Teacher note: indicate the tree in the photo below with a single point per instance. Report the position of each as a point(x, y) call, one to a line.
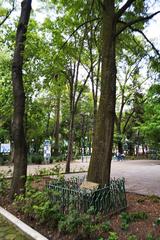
point(151, 126)
point(129, 82)
point(5, 95)
point(114, 23)
point(18, 133)
point(99, 168)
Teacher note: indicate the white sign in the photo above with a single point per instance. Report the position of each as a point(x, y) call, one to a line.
point(47, 150)
point(5, 148)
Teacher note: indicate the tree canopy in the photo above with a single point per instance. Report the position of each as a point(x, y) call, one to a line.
point(90, 76)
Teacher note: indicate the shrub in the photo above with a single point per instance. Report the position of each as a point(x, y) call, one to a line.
point(4, 158)
point(59, 158)
point(3, 183)
point(157, 221)
point(106, 226)
point(85, 224)
point(150, 237)
point(70, 222)
point(127, 218)
point(35, 158)
point(113, 236)
point(37, 204)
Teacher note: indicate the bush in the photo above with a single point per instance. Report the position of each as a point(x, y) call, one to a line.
point(106, 226)
point(85, 224)
point(113, 236)
point(3, 184)
point(4, 158)
point(59, 158)
point(70, 223)
point(35, 158)
point(127, 218)
point(37, 205)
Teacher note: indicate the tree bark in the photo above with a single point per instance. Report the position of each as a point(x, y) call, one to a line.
point(57, 126)
point(120, 145)
point(70, 142)
point(18, 132)
point(99, 168)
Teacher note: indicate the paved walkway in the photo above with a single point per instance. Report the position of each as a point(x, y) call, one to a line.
point(142, 176)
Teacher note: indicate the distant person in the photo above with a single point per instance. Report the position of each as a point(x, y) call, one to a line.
point(120, 156)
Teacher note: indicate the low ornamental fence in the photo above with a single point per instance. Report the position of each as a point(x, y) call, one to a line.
point(109, 199)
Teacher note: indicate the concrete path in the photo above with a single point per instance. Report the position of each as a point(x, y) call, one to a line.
point(142, 176)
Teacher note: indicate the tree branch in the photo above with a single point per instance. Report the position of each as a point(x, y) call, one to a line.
point(142, 33)
point(123, 9)
point(140, 19)
point(127, 121)
point(8, 13)
point(81, 90)
point(81, 25)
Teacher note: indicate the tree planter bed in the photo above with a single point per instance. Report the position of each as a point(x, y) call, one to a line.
point(109, 199)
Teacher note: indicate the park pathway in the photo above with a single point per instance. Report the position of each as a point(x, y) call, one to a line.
point(142, 176)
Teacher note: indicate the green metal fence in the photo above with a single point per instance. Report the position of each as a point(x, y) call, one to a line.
point(109, 199)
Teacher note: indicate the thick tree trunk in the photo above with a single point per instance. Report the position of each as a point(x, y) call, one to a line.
point(99, 168)
point(70, 142)
point(57, 126)
point(18, 132)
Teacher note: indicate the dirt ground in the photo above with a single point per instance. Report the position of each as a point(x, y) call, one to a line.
point(136, 204)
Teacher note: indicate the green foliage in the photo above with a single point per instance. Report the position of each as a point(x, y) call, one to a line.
point(35, 158)
point(59, 158)
point(106, 226)
point(4, 158)
point(127, 218)
point(55, 171)
point(3, 183)
point(150, 237)
point(113, 236)
point(151, 127)
point(154, 198)
point(132, 237)
point(3, 11)
point(157, 222)
point(70, 223)
point(86, 224)
point(37, 204)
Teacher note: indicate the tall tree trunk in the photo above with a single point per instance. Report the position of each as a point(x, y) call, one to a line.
point(70, 142)
point(47, 124)
point(120, 145)
point(119, 140)
point(57, 126)
point(99, 168)
point(18, 132)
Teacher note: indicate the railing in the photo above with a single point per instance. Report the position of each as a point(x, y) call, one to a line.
point(109, 199)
